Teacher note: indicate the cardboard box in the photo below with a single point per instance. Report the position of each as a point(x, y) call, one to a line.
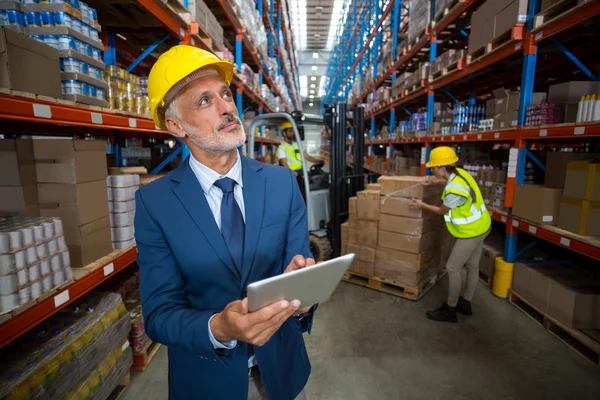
point(539, 286)
point(27, 65)
point(571, 92)
point(367, 254)
point(556, 166)
point(89, 199)
point(363, 268)
point(488, 258)
point(17, 163)
point(352, 221)
point(498, 202)
point(548, 3)
point(401, 206)
point(521, 279)
point(537, 203)
point(408, 186)
point(88, 243)
point(70, 161)
point(515, 12)
point(352, 236)
point(582, 180)
point(368, 205)
point(575, 304)
point(353, 248)
point(344, 233)
point(499, 189)
point(366, 234)
point(374, 186)
point(509, 119)
point(498, 175)
point(409, 226)
point(352, 205)
point(15, 200)
point(407, 261)
point(579, 216)
point(409, 243)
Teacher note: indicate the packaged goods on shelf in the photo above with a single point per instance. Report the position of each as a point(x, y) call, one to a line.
point(125, 91)
point(72, 185)
point(33, 259)
point(440, 5)
point(42, 73)
point(544, 114)
point(121, 189)
point(588, 109)
point(75, 351)
point(419, 19)
point(537, 203)
point(466, 117)
point(444, 60)
point(18, 182)
point(493, 19)
point(566, 294)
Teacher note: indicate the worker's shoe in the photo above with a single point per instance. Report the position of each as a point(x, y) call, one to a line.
point(464, 307)
point(443, 314)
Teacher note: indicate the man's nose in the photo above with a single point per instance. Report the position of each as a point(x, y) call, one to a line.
point(227, 107)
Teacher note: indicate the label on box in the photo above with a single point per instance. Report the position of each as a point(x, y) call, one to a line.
point(565, 242)
point(499, 101)
point(547, 218)
point(532, 229)
point(109, 269)
point(580, 130)
point(61, 298)
point(132, 123)
point(42, 111)
point(96, 118)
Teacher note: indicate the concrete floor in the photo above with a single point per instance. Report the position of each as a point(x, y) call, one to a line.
point(369, 345)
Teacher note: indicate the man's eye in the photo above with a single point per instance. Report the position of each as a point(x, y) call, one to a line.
point(227, 95)
point(203, 102)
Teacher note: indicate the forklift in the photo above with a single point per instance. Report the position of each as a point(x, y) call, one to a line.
point(328, 183)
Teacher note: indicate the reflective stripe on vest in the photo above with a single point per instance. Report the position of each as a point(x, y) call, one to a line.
point(294, 159)
point(475, 215)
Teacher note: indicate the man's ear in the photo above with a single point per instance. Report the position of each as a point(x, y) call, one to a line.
point(175, 127)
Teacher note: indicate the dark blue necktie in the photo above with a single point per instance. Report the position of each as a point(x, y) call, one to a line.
point(232, 222)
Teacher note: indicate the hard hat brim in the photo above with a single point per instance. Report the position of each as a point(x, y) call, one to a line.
point(430, 164)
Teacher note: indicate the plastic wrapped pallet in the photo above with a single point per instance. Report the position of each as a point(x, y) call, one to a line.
point(419, 13)
point(51, 361)
point(33, 259)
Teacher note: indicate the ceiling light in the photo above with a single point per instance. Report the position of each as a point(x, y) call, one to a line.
point(314, 67)
point(312, 85)
point(317, 35)
point(313, 78)
point(311, 97)
point(121, 36)
point(311, 92)
point(315, 55)
point(310, 104)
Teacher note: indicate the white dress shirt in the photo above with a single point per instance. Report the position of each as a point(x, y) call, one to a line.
point(214, 195)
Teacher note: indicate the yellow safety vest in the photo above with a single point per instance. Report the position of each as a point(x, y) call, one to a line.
point(294, 159)
point(471, 219)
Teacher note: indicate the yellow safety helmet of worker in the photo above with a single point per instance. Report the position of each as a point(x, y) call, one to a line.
point(286, 125)
point(442, 156)
point(169, 73)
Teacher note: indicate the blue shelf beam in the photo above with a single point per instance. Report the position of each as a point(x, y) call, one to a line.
point(147, 52)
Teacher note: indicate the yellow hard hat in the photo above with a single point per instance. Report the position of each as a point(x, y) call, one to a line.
point(170, 70)
point(286, 125)
point(442, 156)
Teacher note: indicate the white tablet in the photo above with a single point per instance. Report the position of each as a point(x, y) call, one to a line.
point(310, 285)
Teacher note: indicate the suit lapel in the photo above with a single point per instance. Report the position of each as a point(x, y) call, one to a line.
point(193, 199)
point(254, 204)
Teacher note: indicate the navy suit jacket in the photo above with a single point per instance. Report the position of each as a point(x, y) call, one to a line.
point(187, 275)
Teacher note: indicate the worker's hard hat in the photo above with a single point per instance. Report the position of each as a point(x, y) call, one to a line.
point(286, 125)
point(176, 68)
point(442, 156)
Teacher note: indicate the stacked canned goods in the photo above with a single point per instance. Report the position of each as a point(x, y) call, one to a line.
point(14, 19)
point(125, 91)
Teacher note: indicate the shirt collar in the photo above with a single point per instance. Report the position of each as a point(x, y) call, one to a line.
point(452, 176)
point(207, 177)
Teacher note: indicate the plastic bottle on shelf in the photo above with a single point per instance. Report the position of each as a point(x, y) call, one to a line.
point(591, 109)
point(584, 110)
point(580, 109)
point(596, 115)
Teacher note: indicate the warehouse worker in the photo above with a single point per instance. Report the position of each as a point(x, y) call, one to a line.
point(468, 221)
point(207, 230)
point(288, 152)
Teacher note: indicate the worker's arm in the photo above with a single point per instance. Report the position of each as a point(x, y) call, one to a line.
point(283, 162)
point(419, 205)
point(168, 318)
point(298, 243)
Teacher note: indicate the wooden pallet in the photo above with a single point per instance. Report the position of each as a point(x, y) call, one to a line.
point(557, 10)
point(476, 54)
point(142, 359)
point(389, 287)
point(584, 341)
point(455, 66)
point(79, 273)
point(487, 280)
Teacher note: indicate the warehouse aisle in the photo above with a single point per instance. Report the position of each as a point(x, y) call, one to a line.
point(368, 345)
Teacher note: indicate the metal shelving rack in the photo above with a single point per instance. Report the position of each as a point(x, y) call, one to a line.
point(30, 112)
point(523, 45)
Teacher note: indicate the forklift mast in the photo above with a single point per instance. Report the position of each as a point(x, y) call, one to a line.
point(345, 181)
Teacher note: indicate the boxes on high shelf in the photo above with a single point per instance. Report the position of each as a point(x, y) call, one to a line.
point(579, 216)
point(419, 18)
point(493, 18)
point(71, 176)
point(582, 180)
point(537, 203)
point(18, 190)
point(556, 166)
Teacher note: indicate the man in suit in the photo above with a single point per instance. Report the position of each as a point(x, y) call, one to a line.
point(205, 231)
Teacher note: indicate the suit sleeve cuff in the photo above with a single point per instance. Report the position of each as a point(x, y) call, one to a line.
point(220, 345)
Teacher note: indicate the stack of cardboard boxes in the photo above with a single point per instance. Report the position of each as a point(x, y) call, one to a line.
point(393, 242)
point(579, 210)
point(71, 178)
point(564, 293)
point(494, 18)
point(18, 181)
point(492, 184)
point(504, 107)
